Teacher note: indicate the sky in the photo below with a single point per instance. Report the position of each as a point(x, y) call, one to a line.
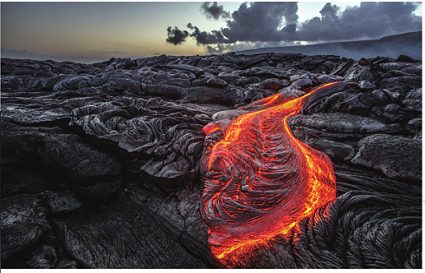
point(96, 31)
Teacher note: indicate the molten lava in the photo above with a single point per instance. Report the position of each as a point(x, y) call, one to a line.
point(260, 180)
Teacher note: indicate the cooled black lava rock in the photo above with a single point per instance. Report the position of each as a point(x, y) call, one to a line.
point(163, 138)
point(396, 156)
point(23, 223)
point(100, 162)
point(335, 150)
point(342, 125)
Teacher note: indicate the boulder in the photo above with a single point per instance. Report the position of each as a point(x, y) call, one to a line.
point(23, 223)
point(396, 156)
point(273, 84)
point(343, 125)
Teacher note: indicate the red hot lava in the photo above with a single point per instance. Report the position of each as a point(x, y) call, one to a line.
point(260, 180)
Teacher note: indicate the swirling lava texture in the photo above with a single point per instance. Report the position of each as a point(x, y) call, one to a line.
point(259, 180)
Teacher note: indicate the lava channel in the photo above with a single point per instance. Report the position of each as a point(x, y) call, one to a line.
point(259, 180)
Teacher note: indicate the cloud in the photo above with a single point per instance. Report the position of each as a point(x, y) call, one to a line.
point(202, 37)
point(214, 11)
point(259, 22)
point(262, 22)
point(219, 49)
point(176, 36)
point(369, 20)
point(329, 11)
point(278, 22)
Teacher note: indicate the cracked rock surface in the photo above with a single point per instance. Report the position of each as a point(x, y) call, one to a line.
point(100, 162)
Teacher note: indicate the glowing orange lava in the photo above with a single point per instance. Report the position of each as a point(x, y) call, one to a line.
point(260, 180)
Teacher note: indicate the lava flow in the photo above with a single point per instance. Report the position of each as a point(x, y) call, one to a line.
point(260, 180)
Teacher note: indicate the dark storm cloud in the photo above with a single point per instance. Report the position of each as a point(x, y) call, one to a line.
point(278, 22)
point(369, 20)
point(202, 37)
point(176, 36)
point(329, 11)
point(214, 11)
point(261, 22)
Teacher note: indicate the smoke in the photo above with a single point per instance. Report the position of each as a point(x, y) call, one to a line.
point(278, 22)
point(176, 36)
point(214, 11)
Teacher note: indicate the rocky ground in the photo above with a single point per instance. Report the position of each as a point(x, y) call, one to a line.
point(100, 163)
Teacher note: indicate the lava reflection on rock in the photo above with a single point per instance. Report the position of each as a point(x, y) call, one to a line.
point(260, 180)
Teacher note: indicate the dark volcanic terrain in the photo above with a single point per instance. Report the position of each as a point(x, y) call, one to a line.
point(389, 46)
point(100, 163)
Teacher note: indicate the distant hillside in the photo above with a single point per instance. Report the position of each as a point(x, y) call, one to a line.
point(409, 44)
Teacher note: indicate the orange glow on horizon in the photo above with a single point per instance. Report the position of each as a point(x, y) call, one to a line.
point(274, 181)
